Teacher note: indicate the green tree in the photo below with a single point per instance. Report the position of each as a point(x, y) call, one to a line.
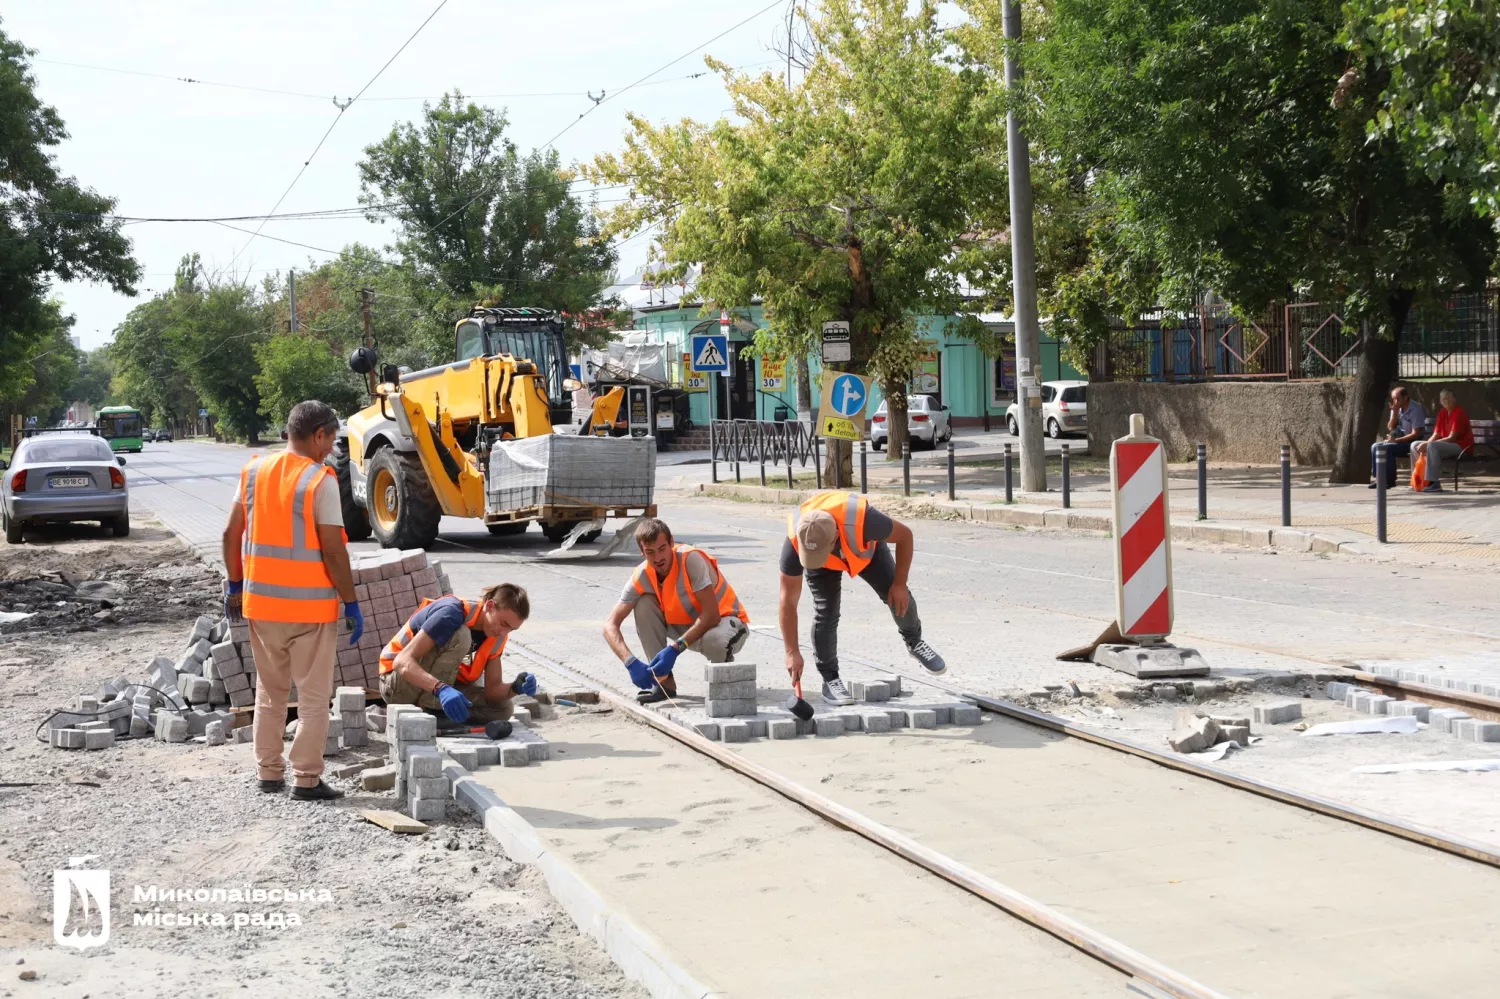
point(853, 195)
point(147, 375)
point(50, 371)
point(298, 367)
point(96, 369)
point(51, 227)
point(479, 221)
point(1436, 64)
point(1208, 138)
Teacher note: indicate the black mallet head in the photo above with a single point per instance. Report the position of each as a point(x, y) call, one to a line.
point(797, 706)
point(498, 729)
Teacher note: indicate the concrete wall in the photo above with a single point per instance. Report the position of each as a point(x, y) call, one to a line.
point(1249, 421)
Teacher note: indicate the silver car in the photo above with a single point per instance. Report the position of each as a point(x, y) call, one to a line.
point(62, 477)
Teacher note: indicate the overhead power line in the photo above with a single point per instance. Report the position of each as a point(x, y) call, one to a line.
point(337, 118)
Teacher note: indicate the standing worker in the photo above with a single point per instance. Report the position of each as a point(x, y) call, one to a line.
point(831, 534)
point(681, 601)
point(437, 658)
point(288, 566)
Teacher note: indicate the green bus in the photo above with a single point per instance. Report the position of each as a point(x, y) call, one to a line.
point(121, 426)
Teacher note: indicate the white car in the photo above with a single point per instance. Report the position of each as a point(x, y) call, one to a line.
point(1065, 410)
point(927, 422)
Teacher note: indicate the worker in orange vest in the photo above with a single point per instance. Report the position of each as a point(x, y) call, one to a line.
point(439, 656)
point(832, 534)
point(680, 601)
point(288, 569)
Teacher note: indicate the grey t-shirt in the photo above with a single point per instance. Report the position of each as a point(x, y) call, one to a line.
point(1413, 417)
point(877, 528)
point(699, 574)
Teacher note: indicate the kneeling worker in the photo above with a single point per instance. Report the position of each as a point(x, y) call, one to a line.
point(835, 533)
point(449, 643)
point(681, 601)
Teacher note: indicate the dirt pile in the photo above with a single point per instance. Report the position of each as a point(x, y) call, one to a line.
point(82, 587)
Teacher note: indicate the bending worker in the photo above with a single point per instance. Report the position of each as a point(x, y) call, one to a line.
point(437, 658)
point(835, 533)
point(288, 567)
point(681, 601)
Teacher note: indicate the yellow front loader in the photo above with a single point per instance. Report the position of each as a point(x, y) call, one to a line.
point(421, 450)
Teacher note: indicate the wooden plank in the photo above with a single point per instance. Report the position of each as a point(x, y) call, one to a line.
point(394, 821)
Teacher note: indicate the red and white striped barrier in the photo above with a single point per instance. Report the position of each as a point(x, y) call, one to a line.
point(1143, 546)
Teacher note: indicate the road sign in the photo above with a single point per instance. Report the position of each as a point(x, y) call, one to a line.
point(692, 381)
point(638, 409)
point(772, 375)
point(1143, 545)
point(202, 413)
point(710, 352)
point(836, 342)
point(842, 411)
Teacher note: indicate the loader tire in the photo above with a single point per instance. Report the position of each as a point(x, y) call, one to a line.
point(403, 510)
point(356, 521)
point(504, 530)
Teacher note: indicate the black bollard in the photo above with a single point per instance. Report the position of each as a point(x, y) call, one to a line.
point(952, 486)
point(1380, 466)
point(906, 468)
point(1202, 481)
point(864, 449)
point(1009, 497)
point(1067, 469)
point(713, 452)
point(818, 461)
point(760, 446)
point(1286, 485)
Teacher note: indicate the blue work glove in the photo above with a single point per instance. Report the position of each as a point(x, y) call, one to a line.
point(234, 596)
point(665, 660)
point(640, 673)
point(455, 705)
point(524, 683)
point(356, 619)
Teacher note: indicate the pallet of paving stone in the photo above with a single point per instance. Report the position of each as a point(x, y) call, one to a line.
point(389, 584)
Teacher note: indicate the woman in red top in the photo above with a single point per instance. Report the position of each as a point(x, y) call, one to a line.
point(1451, 437)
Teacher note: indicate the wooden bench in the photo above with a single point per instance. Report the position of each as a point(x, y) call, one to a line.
point(1486, 435)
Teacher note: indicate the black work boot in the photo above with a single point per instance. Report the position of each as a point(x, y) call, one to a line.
point(272, 786)
point(318, 792)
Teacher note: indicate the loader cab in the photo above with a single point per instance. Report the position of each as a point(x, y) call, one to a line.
point(535, 335)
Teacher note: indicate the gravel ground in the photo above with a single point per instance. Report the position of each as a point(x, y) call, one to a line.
point(441, 914)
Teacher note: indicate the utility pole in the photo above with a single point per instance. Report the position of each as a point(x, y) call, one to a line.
point(291, 284)
point(1023, 268)
point(365, 295)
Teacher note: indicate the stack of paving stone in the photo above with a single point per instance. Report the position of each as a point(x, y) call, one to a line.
point(388, 585)
point(94, 722)
point(731, 714)
point(348, 724)
point(1443, 679)
point(1453, 721)
point(521, 747)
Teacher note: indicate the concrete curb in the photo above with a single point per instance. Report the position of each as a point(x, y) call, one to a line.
point(639, 955)
point(1026, 515)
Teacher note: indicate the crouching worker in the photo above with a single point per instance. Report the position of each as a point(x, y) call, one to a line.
point(680, 601)
point(438, 656)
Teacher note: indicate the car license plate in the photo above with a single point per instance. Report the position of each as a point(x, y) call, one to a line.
point(70, 482)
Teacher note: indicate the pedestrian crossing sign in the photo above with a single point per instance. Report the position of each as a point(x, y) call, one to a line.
point(710, 352)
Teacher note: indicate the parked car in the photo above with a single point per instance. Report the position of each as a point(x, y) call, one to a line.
point(1065, 410)
point(927, 422)
point(163, 436)
point(64, 477)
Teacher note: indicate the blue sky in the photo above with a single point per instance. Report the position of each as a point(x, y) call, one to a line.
point(169, 148)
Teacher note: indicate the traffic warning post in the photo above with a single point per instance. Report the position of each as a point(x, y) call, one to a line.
point(1143, 563)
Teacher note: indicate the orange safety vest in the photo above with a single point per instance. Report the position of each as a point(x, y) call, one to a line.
point(467, 672)
point(285, 578)
point(848, 511)
point(677, 599)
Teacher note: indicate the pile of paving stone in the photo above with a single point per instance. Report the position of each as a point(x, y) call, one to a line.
point(1453, 721)
point(389, 586)
point(730, 712)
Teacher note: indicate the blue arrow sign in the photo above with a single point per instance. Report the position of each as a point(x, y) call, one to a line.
point(710, 352)
point(848, 395)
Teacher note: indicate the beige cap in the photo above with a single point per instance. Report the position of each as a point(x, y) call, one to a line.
point(817, 533)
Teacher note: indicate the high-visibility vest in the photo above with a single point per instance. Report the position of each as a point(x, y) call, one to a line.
point(675, 594)
point(848, 512)
point(285, 578)
point(467, 672)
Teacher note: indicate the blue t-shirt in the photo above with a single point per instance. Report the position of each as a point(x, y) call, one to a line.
point(441, 619)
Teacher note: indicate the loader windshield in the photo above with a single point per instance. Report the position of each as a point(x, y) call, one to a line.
point(543, 347)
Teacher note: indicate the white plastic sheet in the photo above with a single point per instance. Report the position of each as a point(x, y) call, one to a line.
point(1399, 725)
point(1433, 765)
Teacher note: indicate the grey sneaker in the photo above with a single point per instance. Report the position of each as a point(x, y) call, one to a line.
point(927, 656)
point(835, 693)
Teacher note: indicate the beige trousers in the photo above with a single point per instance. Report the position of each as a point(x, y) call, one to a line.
point(716, 645)
point(443, 662)
point(286, 654)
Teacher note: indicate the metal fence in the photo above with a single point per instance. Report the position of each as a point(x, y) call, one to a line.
point(1457, 338)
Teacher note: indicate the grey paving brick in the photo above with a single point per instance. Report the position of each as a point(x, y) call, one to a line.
point(732, 690)
point(897, 717)
point(354, 738)
point(967, 714)
point(870, 690)
point(424, 761)
point(728, 672)
point(876, 722)
point(416, 727)
point(730, 708)
point(1443, 719)
point(379, 778)
point(515, 755)
point(944, 713)
point(429, 787)
point(853, 720)
point(488, 753)
point(174, 727)
point(350, 699)
point(921, 718)
point(1336, 690)
point(213, 733)
point(782, 728)
point(1379, 704)
point(828, 725)
point(734, 731)
point(69, 738)
point(707, 729)
point(465, 756)
point(427, 809)
point(1276, 714)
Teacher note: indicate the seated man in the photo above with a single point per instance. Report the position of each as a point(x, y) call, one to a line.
point(438, 656)
point(681, 601)
point(1408, 422)
point(1452, 435)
